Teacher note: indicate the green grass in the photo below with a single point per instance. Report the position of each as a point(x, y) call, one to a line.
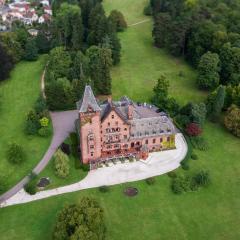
point(142, 64)
point(18, 95)
point(156, 213)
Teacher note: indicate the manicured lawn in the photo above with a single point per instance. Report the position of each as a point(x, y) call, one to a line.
point(156, 213)
point(19, 94)
point(142, 63)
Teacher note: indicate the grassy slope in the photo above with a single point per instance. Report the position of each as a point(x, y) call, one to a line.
point(19, 94)
point(156, 213)
point(142, 64)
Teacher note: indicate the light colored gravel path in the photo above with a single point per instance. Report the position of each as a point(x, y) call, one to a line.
point(157, 163)
point(143, 21)
point(63, 124)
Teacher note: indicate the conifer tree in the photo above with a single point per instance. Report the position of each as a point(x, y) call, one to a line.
point(217, 104)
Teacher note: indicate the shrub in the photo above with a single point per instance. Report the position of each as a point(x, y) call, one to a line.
point(84, 220)
point(193, 130)
point(66, 148)
point(44, 122)
point(31, 186)
point(181, 184)
point(202, 178)
point(40, 105)
point(172, 174)
point(104, 189)
point(199, 143)
point(232, 120)
point(85, 167)
point(150, 181)
point(44, 132)
point(61, 164)
point(74, 144)
point(194, 156)
point(31, 128)
point(185, 165)
point(15, 153)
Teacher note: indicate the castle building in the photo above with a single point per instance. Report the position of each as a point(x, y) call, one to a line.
point(121, 128)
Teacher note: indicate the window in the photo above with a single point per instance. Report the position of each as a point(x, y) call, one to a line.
point(132, 144)
point(125, 129)
point(168, 139)
point(146, 141)
point(91, 146)
point(112, 116)
point(154, 140)
point(108, 123)
point(91, 154)
point(160, 140)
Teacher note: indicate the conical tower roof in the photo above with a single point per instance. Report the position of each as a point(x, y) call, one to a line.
point(88, 101)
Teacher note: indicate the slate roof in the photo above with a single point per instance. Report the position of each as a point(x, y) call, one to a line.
point(147, 121)
point(88, 100)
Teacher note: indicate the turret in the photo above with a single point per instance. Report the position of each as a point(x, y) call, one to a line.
point(90, 124)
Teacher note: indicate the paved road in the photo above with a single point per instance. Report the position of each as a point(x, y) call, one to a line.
point(157, 163)
point(63, 124)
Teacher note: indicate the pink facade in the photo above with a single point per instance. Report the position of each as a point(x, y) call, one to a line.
point(121, 128)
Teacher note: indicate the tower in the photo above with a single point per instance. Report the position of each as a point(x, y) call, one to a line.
point(90, 124)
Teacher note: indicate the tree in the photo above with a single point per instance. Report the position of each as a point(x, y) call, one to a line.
point(232, 96)
point(84, 220)
point(59, 94)
point(59, 64)
point(118, 20)
point(230, 68)
point(100, 63)
point(112, 42)
point(208, 69)
point(61, 164)
point(12, 46)
point(6, 63)
point(160, 29)
point(68, 27)
point(198, 113)
point(217, 104)
point(42, 42)
point(161, 92)
point(232, 120)
point(15, 153)
point(31, 50)
point(193, 130)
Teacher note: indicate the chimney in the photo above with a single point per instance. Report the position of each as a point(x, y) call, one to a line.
point(130, 111)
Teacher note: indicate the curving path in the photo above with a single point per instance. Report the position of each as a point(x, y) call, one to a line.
point(157, 163)
point(63, 124)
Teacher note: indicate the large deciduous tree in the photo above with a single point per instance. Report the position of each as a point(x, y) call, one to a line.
point(208, 71)
point(118, 20)
point(84, 220)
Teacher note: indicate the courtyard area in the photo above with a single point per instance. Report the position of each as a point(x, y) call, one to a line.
point(156, 164)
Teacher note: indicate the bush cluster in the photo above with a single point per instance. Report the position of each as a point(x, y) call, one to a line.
point(15, 153)
point(186, 183)
point(61, 164)
point(104, 189)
